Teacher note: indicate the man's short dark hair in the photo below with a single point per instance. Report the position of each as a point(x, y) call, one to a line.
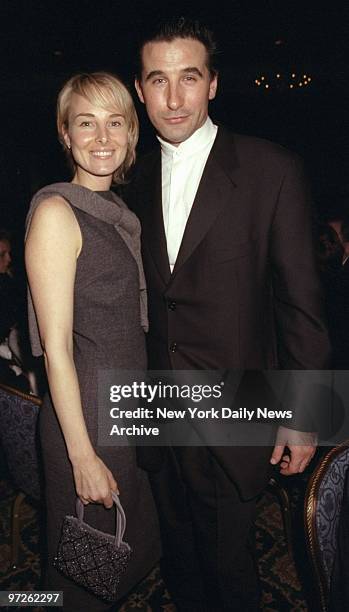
point(180, 27)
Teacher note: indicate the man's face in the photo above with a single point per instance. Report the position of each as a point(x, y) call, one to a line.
point(176, 87)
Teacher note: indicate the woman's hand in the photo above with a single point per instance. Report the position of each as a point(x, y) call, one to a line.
point(94, 481)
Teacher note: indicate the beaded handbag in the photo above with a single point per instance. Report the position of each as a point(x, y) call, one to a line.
point(91, 558)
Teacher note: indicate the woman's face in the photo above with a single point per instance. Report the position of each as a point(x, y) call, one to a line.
point(98, 141)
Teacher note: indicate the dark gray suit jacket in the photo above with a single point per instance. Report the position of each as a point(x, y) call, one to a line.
point(244, 293)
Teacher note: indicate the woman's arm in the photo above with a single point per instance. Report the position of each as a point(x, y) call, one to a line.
point(52, 247)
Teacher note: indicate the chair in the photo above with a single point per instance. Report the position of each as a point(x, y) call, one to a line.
point(18, 438)
point(323, 502)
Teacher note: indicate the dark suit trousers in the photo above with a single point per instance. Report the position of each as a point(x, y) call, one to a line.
point(208, 562)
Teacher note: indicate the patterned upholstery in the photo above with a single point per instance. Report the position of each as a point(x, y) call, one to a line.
point(328, 509)
point(323, 505)
point(18, 438)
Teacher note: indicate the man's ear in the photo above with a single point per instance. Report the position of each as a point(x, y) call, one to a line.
point(138, 87)
point(213, 87)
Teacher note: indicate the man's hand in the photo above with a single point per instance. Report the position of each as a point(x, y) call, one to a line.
point(302, 446)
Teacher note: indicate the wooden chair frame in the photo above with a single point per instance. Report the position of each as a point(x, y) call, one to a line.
point(310, 506)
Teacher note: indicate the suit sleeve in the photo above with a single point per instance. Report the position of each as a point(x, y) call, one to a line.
point(302, 339)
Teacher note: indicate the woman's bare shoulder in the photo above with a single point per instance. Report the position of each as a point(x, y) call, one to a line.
point(54, 214)
point(54, 207)
point(54, 221)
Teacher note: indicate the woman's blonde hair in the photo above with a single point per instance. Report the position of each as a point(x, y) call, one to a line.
point(105, 91)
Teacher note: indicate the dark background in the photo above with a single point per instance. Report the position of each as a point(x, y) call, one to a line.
point(43, 42)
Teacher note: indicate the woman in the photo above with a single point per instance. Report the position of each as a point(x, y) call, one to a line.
point(87, 290)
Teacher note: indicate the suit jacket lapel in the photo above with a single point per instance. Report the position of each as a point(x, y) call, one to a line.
point(153, 223)
point(215, 190)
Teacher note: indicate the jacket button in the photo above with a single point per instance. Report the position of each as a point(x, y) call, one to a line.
point(172, 305)
point(173, 347)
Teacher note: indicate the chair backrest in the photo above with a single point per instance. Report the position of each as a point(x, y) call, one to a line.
point(322, 510)
point(18, 437)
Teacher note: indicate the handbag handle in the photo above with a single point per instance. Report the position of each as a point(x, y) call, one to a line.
point(120, 526)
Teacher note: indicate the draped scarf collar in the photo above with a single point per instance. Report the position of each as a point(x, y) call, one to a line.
point(115, 213)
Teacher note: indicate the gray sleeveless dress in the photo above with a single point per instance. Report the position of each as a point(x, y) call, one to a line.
point(107, 333)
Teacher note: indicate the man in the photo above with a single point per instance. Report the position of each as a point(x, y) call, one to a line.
point(231, 284)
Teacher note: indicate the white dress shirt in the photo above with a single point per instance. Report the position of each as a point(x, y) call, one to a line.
point(181, 170)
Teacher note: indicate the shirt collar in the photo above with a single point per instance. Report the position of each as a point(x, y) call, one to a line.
point(197, 141)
